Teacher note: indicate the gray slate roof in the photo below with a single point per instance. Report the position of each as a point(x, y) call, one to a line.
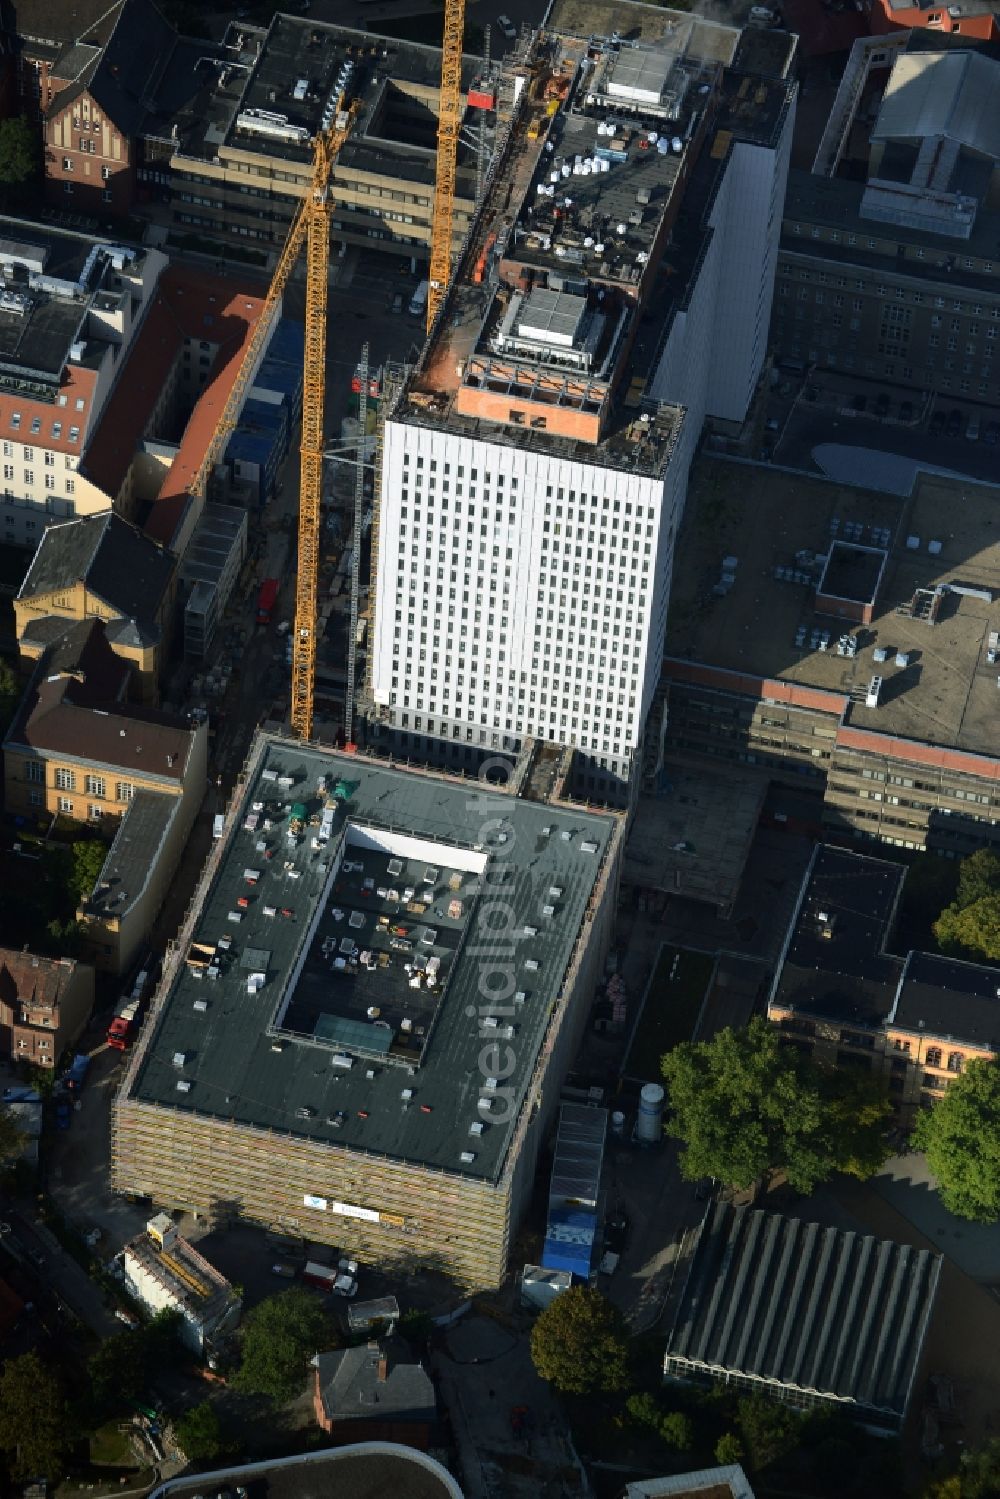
point(126, 570)
point(351, 1389)
point(123, 77)
point(806, 1308)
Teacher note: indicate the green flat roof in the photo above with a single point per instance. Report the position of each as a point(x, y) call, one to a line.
point(294, 1052)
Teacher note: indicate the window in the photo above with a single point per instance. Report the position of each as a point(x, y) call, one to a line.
point(66, 804)
point(95, 812)
point(956, 1061)
point(124, 791)
point(68, 167)
point(106, 174)
point(95, 786)
point(933, 1058)
point(74, 434)
point(35, 771)
point(65, 780)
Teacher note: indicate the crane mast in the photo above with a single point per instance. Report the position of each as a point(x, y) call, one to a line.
point(449, 125)
point(317, 217)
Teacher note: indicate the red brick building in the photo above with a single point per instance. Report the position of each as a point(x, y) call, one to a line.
point(974, 20)
point(93, 124)
point(374, 1393)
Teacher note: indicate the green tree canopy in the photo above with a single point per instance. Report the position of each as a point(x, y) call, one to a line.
point(745, 1105)
point(20, 155)
point(728, 1449)
point(961, 1139)
point(970, 925)
point(199, 1433)
point(34, 1425)
point(677, 1430)
point(578, 1343)
point(11, 1137)
point(88, 861)
point(10, 695)
point(116, 1372)
point(279, 1337)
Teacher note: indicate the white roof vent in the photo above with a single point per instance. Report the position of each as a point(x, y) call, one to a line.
point(406, 1094)
point(200, 1004)
point(588, 847)
point(477, 1127)
point(467, 1157)
point(179, 1058)
point(183, 1086)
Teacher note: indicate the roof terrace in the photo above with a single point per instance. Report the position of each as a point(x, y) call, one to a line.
point(329, 983)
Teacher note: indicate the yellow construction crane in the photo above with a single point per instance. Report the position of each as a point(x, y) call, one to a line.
point(315, 225)
point(449, 125)
point(310, 223)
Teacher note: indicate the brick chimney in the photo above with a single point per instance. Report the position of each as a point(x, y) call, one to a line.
point(383, 1369)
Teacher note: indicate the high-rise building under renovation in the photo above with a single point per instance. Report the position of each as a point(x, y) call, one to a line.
point(614, 293)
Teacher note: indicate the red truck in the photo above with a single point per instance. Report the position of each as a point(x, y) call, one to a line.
point(322, 1276)
point(121, 1028)
point(266, 600)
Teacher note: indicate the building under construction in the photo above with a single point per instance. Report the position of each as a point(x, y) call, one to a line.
point(361, 1029)
point(165, 1273)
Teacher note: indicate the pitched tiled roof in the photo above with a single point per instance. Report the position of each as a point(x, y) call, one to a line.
point(73, 707)
point(351, 1387)
point(122, 75)
point(65, 20)
point(122, 567)
point(33, 980)
point(189, 304)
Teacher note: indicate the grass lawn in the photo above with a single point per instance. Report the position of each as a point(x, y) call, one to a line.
point(110, 1447)
point(670, 1009)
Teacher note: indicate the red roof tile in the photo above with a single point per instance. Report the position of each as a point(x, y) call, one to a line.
point(189, 304)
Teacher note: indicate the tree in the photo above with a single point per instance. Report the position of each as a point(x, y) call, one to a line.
point(199, 1433)
point(728, 1449)
point(644, 1410)
point(970, 925)
point(961, 1138)
point(745, 1105)
point(88, 861)
point(578, 1343)
point(677, 1430)
point(116, 1372)
point(10, 688)
point(279, 1336)
point(20, 155)
point(11, 1137)
point(768, 1430)
point(33, 1419)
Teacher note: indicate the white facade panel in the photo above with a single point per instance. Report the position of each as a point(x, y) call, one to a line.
point(515, 593)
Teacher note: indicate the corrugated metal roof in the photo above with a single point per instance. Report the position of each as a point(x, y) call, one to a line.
point(821, 1310)
point(942, 93)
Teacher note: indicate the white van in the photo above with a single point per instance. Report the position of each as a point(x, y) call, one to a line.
point(418, 302)
point(218, 825)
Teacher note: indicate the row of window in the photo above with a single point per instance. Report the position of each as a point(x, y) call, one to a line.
point(65, 780)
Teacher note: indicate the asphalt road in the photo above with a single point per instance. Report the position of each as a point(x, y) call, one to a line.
point(59, 1274)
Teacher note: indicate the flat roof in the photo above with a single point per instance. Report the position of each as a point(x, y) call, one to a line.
point(836, 966)
point(354, 1035)
point(692, 838)
point(950, 999)
point(579, 205)
point(768, 626)
point(712, 40)
point(359, 1471)
point(267, 73)
point(50, 277)
point(826, 1312)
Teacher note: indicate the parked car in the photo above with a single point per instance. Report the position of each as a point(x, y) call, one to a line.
point(64, 1114)
point(507, 27)
point(397, 302)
